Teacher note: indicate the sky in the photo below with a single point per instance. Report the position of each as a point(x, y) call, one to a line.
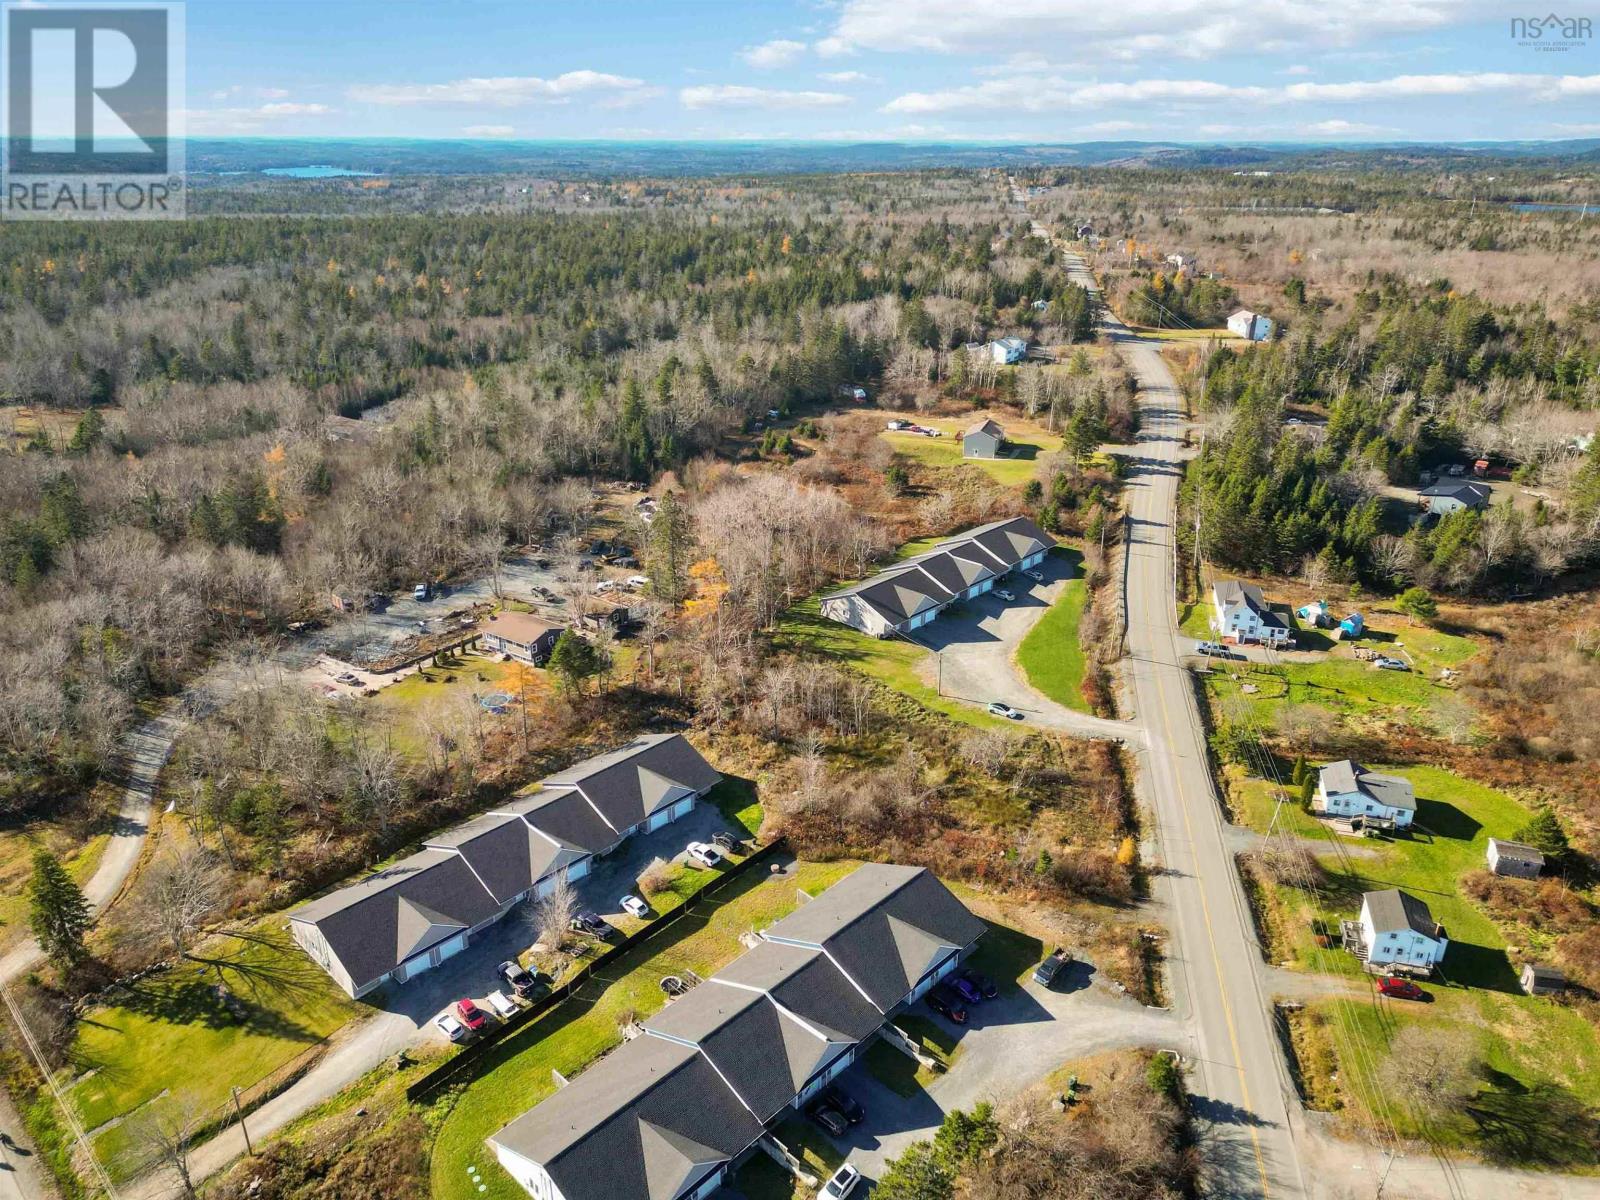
point(901, 70)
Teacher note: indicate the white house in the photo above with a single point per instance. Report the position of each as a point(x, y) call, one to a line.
point(1240, 614)
point(1251, 326)
point(1398, 930)
point(1453, 495)
point(1008, 350)
point(1347, 789)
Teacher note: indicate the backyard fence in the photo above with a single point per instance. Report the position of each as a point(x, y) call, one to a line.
point(461, 1067)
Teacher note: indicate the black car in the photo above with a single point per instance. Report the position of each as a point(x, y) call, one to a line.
point(986, 986)
point(519, 979)
point(591, 924)
point(830, 1119)
point(1045, 973)
point(842, 1102)
point(944, 1001)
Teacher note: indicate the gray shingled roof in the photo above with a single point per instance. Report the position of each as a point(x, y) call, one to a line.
point(886, 927)
point(1394, 909)
point(1463, 490)
point(807, 983)
point(563, 815)
point(505, 853)
point(648, 774)
point(899, 592)
point(1346, 775)
point(1232, 591)
point(645, 1122)
point(1518, 851)
point(765, 1054)
point(988, 426)
point(399, 912)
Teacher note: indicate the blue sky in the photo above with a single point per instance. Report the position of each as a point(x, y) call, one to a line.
point(1046, 70)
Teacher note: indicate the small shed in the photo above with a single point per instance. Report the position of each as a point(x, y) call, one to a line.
point(983, 440)
point(1514, 858)
point(1540, 980)
point(1316, 614)
point(1352, 626)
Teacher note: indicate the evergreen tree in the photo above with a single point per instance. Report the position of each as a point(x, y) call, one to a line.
point(1543, 832)
point(57, 911)
point(574, 660)
point(669, 547)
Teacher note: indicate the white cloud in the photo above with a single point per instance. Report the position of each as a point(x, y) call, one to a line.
point(505, 91)
point(489, 131)
point(1297, 69)
point(260, 93)
point(244, 119)
point(846, 77)
point(1194, 29)
point(730, 95)
point(779, 52)
point(833, 47)
point(1103, 127)
point(1031, 94)
point(1340, 128)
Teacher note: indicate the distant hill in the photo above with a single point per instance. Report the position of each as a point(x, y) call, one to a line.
point(402, 156)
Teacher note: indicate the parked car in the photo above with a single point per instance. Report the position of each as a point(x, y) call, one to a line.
point(1008, 597)
point(1401, 989)
point(519, 979)
point(830, 1120)
point(966, 989)
point(726, 842)
point(638, 581)
point(423, 591)
point(841, 1183)
point(605, 585)
point(470, 1015)
point(1036, 576)
point(837, 1098)
point(635, 907)
point(1045, 973)
point(591, 924)
point(986, 986)
point(453, 1029)
point(502, 1005)
point(705, 854)
point(1391, 664)
point(1216, 649)
point(947, 1004)
point(999, 708)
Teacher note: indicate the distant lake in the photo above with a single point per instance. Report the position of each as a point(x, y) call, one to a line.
point(1534, 206)
point(320, 172)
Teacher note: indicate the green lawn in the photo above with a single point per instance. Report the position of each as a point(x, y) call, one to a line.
point(570, 1036)
point(462, 676)
point(17, 847)
point(891, 661)
point(1528, 1040)
point(172, 1041)
point(1050, 655)
point(1028, 449)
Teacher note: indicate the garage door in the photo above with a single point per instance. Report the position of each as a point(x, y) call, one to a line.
point(578, 869)
point(682, 807)
point(658, 819)
point(447, 949)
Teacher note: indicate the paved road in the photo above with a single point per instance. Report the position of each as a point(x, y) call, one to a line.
point(975, 647)
point(1011, 1043)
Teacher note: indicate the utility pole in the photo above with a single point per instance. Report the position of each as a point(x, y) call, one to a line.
point(243, 1128)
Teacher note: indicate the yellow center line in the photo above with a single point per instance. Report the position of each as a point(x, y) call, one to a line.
point(1205, 912)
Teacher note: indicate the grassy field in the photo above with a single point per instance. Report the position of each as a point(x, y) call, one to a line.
point(1050, 655)
point(572, 1035)
point(1528, 1042)
point(1029, 445)
point(457, 679)
point(172, 1041)
point(891, 661)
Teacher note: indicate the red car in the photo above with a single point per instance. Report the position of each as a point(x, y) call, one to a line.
point(471, 1015)
point(1400, 989)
